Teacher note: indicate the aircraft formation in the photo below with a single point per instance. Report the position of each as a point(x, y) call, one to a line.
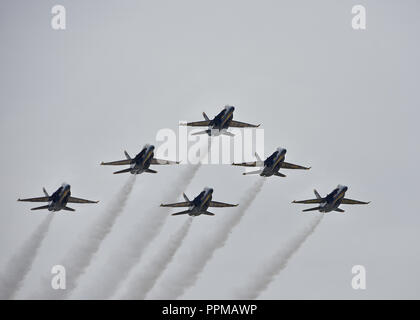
point(219, 125)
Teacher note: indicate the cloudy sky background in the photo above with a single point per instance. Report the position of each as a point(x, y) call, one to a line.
point(345, 102)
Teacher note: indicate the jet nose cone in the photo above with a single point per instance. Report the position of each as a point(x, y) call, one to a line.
point(281, 150)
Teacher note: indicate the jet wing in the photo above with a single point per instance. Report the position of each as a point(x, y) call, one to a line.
point(238, 124)
point(117, 163)
point(40, 199)
point(176, 205)
point(158, 161)
point(204, 123)
point(350, 201)
point(246, 164)
point(79, 200)
point(221, 204)
point(286, 165)
point(309, 201)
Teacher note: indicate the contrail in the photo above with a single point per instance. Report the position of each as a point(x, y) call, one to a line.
point(82, 254)
point(174, 286)
point(120, 263)
point(269, 270)
point(145, 279)
point(20, 264)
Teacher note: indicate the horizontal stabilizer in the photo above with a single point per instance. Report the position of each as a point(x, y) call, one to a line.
point(181, 212)
point(123, 171)
point(68, 209)
point(40, 208)
point(201, 132)
point(311, 209)
point(208, 213)
point(150, 171)
point(227, 133)
point(278, 174)
point(252, 172)
point(339, 210)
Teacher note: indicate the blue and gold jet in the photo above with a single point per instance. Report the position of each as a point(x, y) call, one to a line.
point(271, 165)
point(140, 163)
point(331, 202)
point(220, 123)
point(199, 205)
point(58, 200)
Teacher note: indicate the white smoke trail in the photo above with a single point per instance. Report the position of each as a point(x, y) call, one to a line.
point(82, 254)
point(20, 264)
point(269, 270)
point(174, 286)
point(145, 279)
point(120, 263)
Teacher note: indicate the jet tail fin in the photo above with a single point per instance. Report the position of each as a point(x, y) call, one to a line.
point(40, 208)
point(68, 209)
point(45, 192)
point(127, 155)
point(339, 210)
point(258, 157)
point(205, 116)
point(318, 196)
point(186, 198)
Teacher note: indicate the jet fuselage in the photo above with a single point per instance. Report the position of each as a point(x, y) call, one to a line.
point(273, 163)
point(333, 199)
point(201, 202)
point(222, 121)
point(59, 198)
point(142, 160)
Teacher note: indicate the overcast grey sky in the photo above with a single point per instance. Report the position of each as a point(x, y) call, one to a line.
point(345, 102)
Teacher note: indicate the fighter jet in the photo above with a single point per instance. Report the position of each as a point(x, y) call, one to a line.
point(58, 200)
point(332, 201)
point(140, 163)
point(199, 205)
point(271, 165)
point(220, 123)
